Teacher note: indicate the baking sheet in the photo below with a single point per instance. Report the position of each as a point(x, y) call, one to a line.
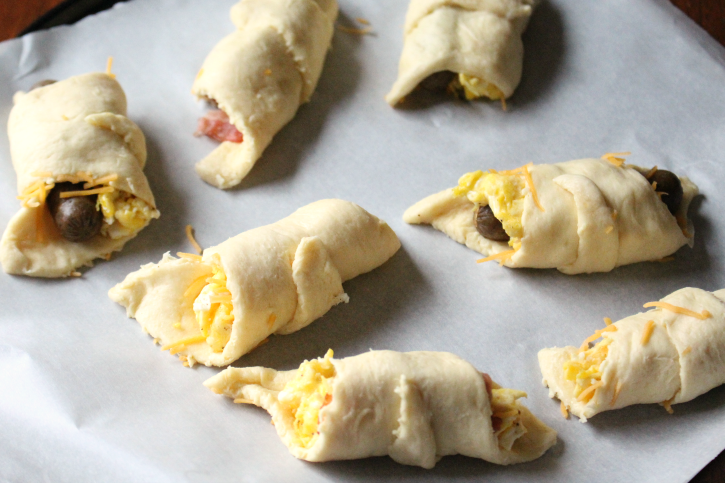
point(86, 396)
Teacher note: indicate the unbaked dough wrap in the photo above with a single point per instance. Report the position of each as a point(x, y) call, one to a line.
point(281, 276)
point(260, 75)
point(415, 407)
point(683, 358)
point(479, 38)
point(596, 216)
point(71, 126)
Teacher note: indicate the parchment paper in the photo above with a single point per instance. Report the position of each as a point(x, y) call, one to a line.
point(86, 396)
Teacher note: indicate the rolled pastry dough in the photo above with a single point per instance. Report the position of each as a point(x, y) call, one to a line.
point(281, 277)
point(594, 216)
point(78, 125)
point(675, 360)
point(260, 75)
point(478, 38)
point(415, 407)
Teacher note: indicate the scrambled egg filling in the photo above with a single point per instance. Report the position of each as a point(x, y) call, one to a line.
point(584, 370)
point(123, 214)
point(506, 409)
point(502, 192)
point(307, 394)
point(475, 87)
point(213, 310)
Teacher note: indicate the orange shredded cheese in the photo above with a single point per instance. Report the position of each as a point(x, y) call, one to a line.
point(362, 21)
point(503, 103)
point(530, 183)
point(76, 274)
point(654, 185)
point(651, 172)
point(184, 342)
point(241, 400)
point(564, 410)
point(355, 31)
point(679, 310)
point(647, 332)
point(192, 240)
point(101, 180)
point(97, 191)
point(616, 158)
point(589, 391)
point(189, 256)
point(597, 334)
point(109, 65)
point(687, 350)
point(615, 214)
point(195, 288)
point(668, 405)
point(271, 320)
point(607, 321)
point(609, 229)
point(502, 257)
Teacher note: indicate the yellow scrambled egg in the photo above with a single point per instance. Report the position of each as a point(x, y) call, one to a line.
point(502, 192)
point(213, 310)
point(505, 407)
point(584, 370)
point(307, 394)
point(474, 87)
point(123, 213)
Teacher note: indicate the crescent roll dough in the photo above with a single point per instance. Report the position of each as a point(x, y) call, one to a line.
point(74, 130)
point(668, 355)
point(260, 75)
point(583, 216)
point(275, 279)
point(478, 39)
point(415, 407)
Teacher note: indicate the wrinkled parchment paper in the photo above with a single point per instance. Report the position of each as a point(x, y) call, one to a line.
point(86, 396)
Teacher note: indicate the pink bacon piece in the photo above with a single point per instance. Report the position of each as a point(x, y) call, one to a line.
point(216, 125)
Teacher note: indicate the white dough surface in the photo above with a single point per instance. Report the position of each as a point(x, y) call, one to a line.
point(85, 395)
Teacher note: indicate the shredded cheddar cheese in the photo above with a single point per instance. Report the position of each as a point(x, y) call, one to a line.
point(109, 65)
point(530, 183)
point(213, 308)
point(668, 405)
point(306, 395)
point(192, 240)
point(687, 350)
point(607, 321)
point(189, 256)
point(362, 21)
point(184, 342)
point(99, 181)
point(679, 310)
point(651, 172)
point(588, 393)
point(597, 334)
point(96, 191)
point(647, 332)
point(506, 409)
point(616, 158)
point(241, 400)
point(272, 319)
point(564, 410)
point(609, 229)
point(615, 214)
point(501, 257)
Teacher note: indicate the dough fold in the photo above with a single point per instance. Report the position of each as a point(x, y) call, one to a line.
point(74, 126)
point(659, 356)
point(281, 277)
point(415, 407)
point(593, 216)
point(478, 38)
point(260, 75)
